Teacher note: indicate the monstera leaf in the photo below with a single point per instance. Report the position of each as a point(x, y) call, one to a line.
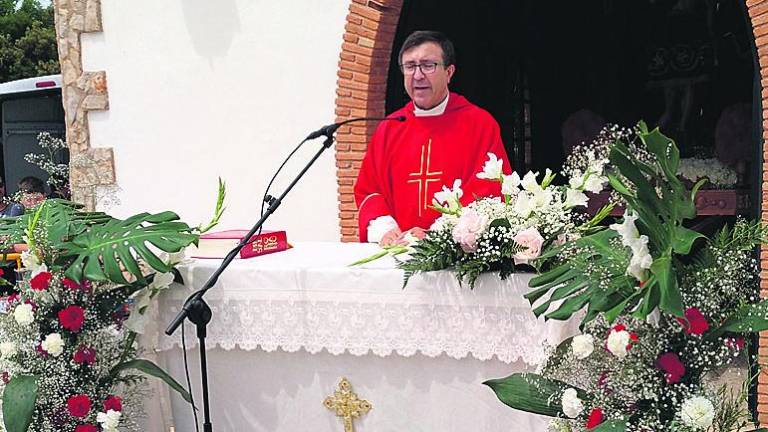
point(103, 251)
point(661, 202)
point(60, 218)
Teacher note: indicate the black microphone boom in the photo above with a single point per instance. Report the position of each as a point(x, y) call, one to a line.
point(330, 129)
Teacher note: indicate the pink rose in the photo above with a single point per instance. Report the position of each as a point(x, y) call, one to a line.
point(470, 225)
point(532, 241)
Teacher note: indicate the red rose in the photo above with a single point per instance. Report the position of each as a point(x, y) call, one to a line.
point(86, 428)
point(595, 418)
point(673, 368)
point(5, 377)
point(694, 322)
point(40, 281)
point(85, 354)
point(79, 405)
point(72, 318)
point(69, 283)
point(113, 403)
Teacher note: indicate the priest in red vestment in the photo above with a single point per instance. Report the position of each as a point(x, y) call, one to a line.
point(444, 138)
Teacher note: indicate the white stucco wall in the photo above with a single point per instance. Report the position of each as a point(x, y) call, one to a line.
point(200, 89)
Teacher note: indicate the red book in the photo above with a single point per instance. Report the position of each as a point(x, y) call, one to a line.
point(218, 244)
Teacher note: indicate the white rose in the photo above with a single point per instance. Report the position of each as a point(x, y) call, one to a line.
point(618, 341)
point(697, 412)
point(109, 420)
point(23, 314)
point(7, 349)
point(53, 344)
point(572, 405)
point(582, 346)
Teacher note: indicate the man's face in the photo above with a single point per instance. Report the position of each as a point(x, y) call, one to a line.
point(427, 90)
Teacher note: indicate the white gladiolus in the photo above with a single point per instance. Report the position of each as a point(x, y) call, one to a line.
point(582, 346)
point(510, 184)
point(572, 405)
point(492, 170)
point(575, 198)
point(53, 344)
point(530, 184)
point(450, 198)
point(618, 342)
point(7, 349)
point(697, 412)
point(23, 314)
point(641, 257)
point(595, 183)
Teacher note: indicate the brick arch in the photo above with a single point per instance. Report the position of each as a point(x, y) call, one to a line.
point(361, 92)
point(362, 79)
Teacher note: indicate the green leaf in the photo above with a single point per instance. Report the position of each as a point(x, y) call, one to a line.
point(99, 252)
point(749, 318)
point(532, 393)
point(611, 426)
point(683, 239)
point(154, 370)
point(19, 402)
point(671, 301)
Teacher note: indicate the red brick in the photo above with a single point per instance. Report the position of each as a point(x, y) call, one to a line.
point(344, 74)
point(366, 12)
point(357, 157)
point(347, 56)
point(359, 30)
point(354, 67)
point(356, 49)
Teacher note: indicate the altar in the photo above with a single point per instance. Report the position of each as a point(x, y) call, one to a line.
point(288, 327)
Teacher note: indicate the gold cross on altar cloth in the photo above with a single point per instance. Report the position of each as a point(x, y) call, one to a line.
point(424, 175)
point(347, 405)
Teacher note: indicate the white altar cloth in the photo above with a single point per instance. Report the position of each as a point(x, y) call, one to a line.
point(288, 326)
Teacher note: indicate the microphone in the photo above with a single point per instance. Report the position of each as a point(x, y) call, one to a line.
point(330, 129)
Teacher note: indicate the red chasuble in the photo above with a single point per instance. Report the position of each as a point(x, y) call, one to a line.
point(407, 162)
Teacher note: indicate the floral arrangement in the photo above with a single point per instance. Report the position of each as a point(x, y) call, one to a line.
point(68, 356)
point(499, 233)
point(720, 176)
point(665, 311)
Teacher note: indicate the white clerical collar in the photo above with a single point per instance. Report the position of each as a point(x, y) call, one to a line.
point(436, 111)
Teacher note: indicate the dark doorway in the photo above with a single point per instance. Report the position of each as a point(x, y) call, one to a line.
point(685, 65)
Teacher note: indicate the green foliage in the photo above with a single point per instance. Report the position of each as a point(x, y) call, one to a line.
point(27, 40)
point(662, 203)
point(101, 251)
point(19, 403)
point(532, 393)
point(149, 368)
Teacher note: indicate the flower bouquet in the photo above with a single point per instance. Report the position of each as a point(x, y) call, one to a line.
point(666, 311)
point(68, 359)
point(499, 233)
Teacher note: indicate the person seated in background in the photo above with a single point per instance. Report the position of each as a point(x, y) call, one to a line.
point(8, 208)
point(32, 191)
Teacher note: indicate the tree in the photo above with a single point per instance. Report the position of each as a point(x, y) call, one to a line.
point(27, 40)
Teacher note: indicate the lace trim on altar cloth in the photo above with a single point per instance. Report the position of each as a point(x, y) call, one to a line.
point(510, 334)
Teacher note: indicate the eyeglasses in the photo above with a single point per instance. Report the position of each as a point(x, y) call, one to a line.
point(426, 68)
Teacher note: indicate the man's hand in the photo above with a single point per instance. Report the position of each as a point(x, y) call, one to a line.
point(391, 237)
point(418, 232)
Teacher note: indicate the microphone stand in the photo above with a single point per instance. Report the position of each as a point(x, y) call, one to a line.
point(197, 310)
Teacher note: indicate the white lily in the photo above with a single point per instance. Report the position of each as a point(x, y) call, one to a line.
point(575, 198)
